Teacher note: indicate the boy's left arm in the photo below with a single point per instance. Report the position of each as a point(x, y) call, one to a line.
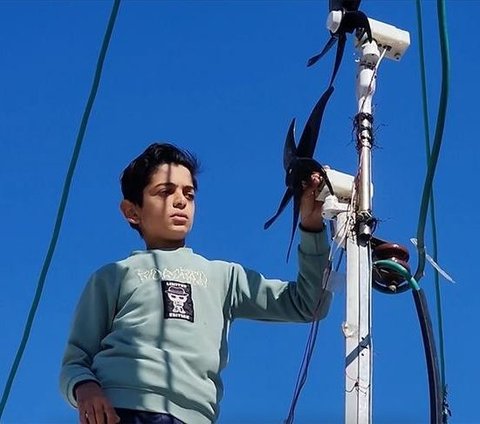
point(306, 299)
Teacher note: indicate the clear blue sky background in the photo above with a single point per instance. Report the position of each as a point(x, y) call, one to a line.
point(224, 79)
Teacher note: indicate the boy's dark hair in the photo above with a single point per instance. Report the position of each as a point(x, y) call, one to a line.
point(137, 175)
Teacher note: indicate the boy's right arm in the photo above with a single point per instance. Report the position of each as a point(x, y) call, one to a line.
point(93, 406)
point(92, 322)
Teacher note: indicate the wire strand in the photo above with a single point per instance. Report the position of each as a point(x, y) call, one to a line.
point(61, 208)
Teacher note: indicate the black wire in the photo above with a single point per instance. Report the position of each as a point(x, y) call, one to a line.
point(308, 353)
point(61, 210)
point(434, 381)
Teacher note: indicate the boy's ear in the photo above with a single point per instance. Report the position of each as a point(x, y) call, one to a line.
point(129, 210)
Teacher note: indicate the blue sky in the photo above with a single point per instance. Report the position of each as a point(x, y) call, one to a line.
point(224, 79)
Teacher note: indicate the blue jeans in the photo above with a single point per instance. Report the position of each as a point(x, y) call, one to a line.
point(131, 416)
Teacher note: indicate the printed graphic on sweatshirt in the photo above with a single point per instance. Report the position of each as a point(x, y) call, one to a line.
point(177, 300)
point(183, 275)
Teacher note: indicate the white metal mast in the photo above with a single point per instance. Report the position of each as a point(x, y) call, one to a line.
point(358, 323)
point(390, 42)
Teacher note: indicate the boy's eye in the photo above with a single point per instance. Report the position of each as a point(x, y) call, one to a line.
point(165, 192)
point(190, 195)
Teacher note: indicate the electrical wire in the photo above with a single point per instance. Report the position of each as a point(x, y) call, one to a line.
point(432, 210)
point(310, 345)
point(61, 207)
point(434, 154)
point(313, 333)
point(434, 383)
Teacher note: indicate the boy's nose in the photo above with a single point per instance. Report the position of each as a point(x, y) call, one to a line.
point(179, 200)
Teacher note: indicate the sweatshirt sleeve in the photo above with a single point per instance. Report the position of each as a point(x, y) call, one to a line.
point(92, 321)
point(257, 297)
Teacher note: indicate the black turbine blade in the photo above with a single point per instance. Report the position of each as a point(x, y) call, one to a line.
point(296, 212)
point(349, 5)
point(308, 140)
point(355, 20)
point(285, 200)
point(328, 46)
point(290, 149)
point(362, 22)
point(326, 179)
point(342, 39)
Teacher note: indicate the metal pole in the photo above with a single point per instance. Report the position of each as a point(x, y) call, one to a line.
point(357, 327)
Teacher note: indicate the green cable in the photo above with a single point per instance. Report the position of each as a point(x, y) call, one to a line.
point(61, 208)
point(395, 266)
point(432, 163)
point(432, 197)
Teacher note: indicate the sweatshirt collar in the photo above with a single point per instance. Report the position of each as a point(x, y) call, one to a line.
point(164, 251)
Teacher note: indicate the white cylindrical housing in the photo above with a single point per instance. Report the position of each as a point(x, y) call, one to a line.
point(342, 185)
point(334, 19)
point(366, 79)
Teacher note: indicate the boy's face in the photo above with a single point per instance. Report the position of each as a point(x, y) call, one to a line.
point(168, 208)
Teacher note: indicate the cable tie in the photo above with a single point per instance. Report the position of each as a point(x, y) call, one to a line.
point(434, 264)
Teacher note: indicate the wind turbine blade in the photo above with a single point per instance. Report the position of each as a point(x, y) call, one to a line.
point(308, 140)
point(296, 213)
point(342, 39)
point(349, 5)
point(328, 46)
point(356, 20)
point(285, 200)
point(290, 149)
point(363, 22)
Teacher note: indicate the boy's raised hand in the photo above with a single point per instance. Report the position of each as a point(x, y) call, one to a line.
point(310, 209)
point(93, 406)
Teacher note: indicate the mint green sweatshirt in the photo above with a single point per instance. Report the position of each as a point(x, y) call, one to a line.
point(152, 329)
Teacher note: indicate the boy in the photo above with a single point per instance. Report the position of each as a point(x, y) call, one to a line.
point(149, 338)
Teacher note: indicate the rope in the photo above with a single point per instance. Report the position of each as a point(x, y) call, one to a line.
point(61, 208)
